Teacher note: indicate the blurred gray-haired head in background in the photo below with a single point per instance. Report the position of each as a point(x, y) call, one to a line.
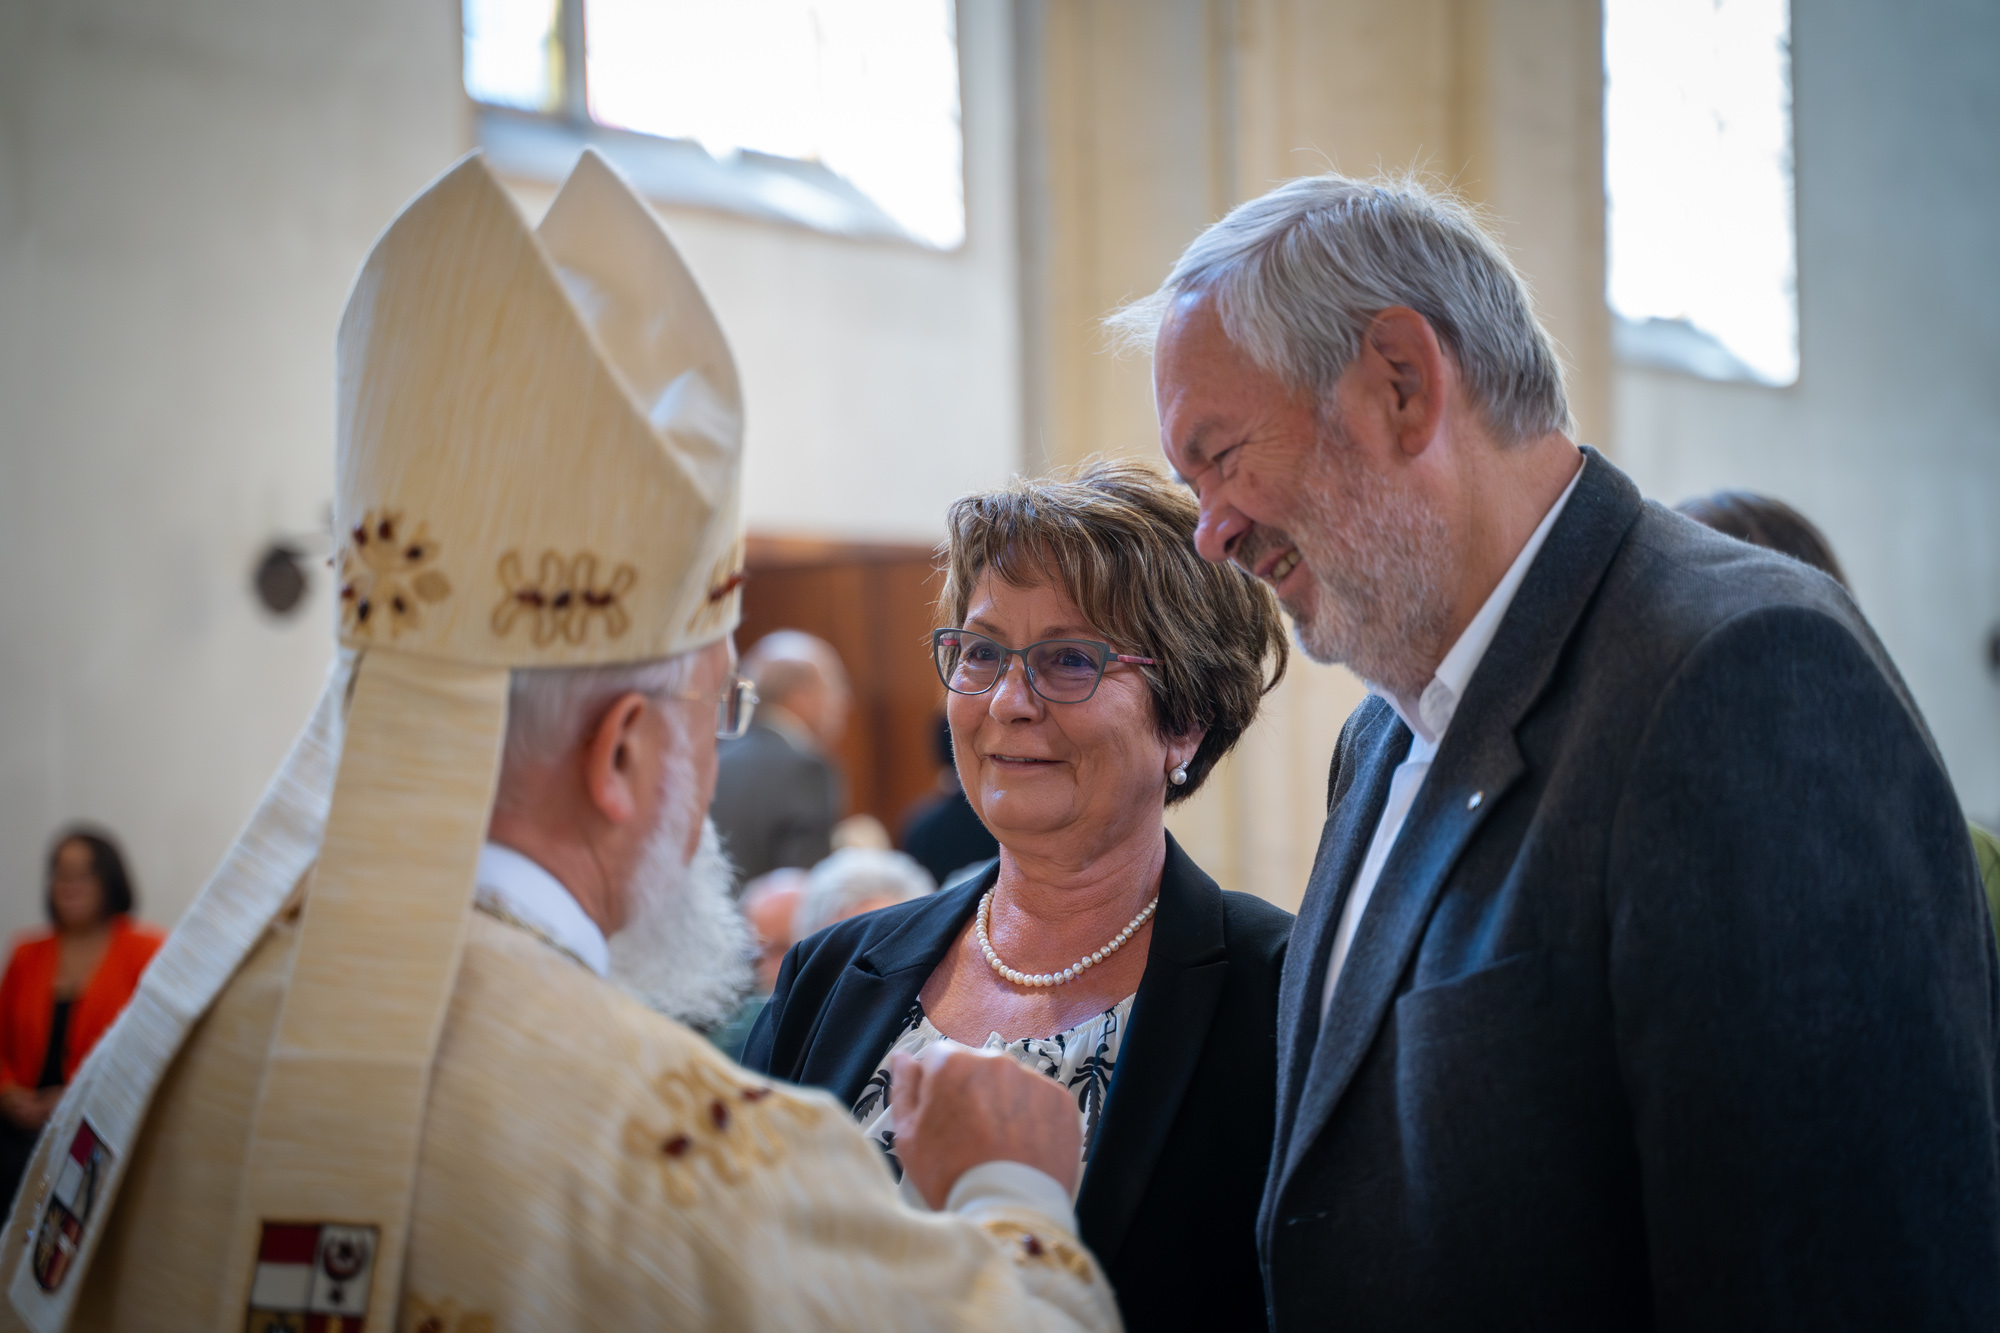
point(803, 675)
point(856, 880)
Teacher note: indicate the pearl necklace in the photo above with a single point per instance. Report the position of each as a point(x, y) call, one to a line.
point(1068, 974)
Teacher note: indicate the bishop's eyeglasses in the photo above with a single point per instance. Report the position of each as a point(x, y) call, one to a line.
point(733, 710)
point(1063, 671)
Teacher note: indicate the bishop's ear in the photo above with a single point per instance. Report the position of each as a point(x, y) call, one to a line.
point(613, 760)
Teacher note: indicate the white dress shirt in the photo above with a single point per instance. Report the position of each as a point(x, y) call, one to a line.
point(1427, 721)
point(521, 889)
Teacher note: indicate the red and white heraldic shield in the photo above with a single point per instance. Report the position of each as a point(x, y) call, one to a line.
point(311, 1277)
point(72, 1199)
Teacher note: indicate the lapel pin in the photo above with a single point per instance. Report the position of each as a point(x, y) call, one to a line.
point(1472, 801)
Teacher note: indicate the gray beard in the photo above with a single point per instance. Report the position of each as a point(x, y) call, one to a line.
point(686, 950)
point(1380, 559)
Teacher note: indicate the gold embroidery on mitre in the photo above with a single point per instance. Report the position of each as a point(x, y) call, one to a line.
point(385, 576)
point(716, 1121)
point(725, 576)
point(562, 597)
point(422, 1316)
point(1029, 1247)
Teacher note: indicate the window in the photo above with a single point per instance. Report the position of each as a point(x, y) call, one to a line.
point(842, 115)
point(1698, 174)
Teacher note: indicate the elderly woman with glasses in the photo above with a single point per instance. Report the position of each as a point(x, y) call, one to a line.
point(1097, 669)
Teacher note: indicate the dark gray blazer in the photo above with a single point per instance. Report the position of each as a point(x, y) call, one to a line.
point(1676, 1003)
point(1169, 1197)
point(775, 804)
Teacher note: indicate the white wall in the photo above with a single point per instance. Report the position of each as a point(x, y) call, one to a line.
point(186, 189)
point(1891, 439)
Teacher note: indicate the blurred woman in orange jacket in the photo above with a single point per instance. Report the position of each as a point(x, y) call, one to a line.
point(64, 986)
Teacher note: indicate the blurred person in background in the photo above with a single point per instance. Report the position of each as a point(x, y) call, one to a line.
point(787, 905)
point(1776, 526)
point(855, 880)
point(862, 832)
point(944, 833)
point(1097, 670)
point(779, 795)
point(65, 985)
point(1766, 522)
point(767, 903)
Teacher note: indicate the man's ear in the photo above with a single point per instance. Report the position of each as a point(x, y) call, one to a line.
point(610, 761)
point(1406, 374)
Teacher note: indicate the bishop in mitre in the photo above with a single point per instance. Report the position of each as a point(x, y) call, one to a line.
point(389, 1072)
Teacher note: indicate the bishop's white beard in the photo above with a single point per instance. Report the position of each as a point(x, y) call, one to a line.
point(686, 950)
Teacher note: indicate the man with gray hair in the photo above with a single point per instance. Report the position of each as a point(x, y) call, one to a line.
point(778, 795)
point(1642, 979)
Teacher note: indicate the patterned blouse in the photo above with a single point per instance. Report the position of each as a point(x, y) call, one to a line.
point(1082, 1059)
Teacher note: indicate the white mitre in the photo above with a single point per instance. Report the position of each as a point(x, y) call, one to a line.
point(540, 434)
point(539, 459)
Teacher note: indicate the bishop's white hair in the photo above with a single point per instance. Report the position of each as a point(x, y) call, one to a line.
point(685, 950)
point(550, 709)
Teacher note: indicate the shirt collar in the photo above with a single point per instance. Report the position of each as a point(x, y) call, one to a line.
point(1435, 707)
point(523, 889)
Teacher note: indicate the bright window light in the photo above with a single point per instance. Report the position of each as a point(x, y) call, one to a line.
point(1698, 171)
point(864, 89)
point(513, 54)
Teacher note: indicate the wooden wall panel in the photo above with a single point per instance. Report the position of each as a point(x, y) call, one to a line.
point(874, 603)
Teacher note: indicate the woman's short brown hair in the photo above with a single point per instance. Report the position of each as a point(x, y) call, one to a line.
point(1118, 537)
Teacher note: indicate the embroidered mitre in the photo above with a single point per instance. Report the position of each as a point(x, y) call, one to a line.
point(540, 434)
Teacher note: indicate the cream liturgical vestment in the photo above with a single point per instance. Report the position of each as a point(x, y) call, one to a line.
point(344, 1098)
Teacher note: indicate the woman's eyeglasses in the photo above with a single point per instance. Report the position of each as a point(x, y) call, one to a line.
point(1063, 671)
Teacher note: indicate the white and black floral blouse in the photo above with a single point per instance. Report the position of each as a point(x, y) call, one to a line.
point(1082, 1059)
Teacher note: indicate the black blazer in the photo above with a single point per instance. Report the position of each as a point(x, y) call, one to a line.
point(1676, 1004)
point(1169, 1197)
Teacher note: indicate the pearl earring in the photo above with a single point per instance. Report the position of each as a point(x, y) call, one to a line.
point(1179, 776)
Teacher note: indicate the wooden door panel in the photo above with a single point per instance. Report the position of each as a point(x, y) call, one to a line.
point(873, 602)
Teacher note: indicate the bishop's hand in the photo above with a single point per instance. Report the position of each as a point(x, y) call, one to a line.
point(955, 1108)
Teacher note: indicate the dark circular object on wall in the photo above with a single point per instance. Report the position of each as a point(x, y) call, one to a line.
point(1993, 650)
point(280, 580)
